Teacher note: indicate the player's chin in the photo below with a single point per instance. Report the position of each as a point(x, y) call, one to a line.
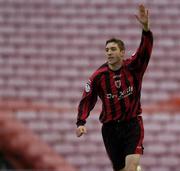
point(110, 62)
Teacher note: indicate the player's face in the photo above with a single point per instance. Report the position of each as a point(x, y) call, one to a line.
point(114, 54)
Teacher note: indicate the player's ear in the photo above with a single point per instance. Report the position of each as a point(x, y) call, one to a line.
point(122, 52)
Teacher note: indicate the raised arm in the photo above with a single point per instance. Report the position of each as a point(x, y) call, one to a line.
point(139, 60)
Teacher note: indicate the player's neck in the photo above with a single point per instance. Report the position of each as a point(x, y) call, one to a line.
point(115, 67)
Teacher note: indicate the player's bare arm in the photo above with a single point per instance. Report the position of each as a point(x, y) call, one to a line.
point(143, 17)
point(80, 131)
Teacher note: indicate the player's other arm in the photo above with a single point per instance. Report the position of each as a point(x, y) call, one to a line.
point(86, 104)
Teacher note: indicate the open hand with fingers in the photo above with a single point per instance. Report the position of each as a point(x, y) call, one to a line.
point(143, 17)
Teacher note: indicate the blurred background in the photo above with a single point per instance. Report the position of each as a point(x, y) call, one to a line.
point(49, 48)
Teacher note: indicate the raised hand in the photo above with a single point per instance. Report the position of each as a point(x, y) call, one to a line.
point(143, 17)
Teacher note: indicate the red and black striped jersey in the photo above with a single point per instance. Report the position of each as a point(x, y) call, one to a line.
point(119, 91)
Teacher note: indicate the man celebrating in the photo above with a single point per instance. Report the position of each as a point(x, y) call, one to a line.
point(118, 84)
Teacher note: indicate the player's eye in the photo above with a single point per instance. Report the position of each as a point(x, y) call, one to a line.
point(113, 48)
point(106, 49)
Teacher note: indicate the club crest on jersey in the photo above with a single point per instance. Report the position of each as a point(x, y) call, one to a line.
point(117, 80)
point(117, 83)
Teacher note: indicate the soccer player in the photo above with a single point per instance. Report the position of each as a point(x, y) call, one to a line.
point(118, 85)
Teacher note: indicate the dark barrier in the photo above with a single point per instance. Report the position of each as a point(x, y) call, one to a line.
point(22, 149)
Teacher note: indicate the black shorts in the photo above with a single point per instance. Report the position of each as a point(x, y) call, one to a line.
point(122, 138)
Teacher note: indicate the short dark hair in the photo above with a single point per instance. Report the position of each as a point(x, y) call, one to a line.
point(119, 42)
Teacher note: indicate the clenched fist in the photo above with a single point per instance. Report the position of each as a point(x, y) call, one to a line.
point(81, 130)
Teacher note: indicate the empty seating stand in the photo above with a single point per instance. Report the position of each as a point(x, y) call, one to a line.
point(52, 47)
